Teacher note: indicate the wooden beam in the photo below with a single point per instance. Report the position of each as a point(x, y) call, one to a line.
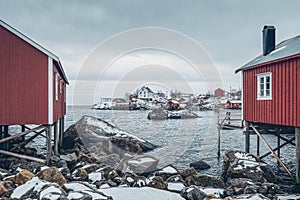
point(281, 145)
point(56, 138)
point(22, 144)
point(22, 130)
point(273, 153)
point(61, 131)
point(22, 156)
point(48, 144)
point(297, 135)
point(20, 134)
point(1, 134)
point(257, 146)
point(247, 138)
point(6, 129)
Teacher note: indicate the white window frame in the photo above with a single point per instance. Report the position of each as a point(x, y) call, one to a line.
point(56, 86)
point(264, 77)
point(60, 86)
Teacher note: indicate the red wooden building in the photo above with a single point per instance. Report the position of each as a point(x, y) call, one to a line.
point(219, 92)
point(271, 89)
point(33, 82)
point(271, 86)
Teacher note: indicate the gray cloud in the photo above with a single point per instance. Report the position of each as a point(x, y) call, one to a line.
point(230, 30)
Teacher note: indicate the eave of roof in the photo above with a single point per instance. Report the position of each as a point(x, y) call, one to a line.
point(285, 50)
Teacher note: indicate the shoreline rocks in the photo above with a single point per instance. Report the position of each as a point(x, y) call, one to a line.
point(162, 114)
point(103, 156)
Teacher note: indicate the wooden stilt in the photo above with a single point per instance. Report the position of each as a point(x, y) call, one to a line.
point(219, 141)
point(60, 132)
point(22, 130)
point(273, 153)
point(247, 138)
point(278, 144)
point(297, 135)
point(56, 138)
point(6, 136)
point(1, 130)
point(48, 143)
point(258, 146)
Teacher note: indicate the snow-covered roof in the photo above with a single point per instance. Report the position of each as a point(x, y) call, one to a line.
point(146, 88)
point(235, 101)
point(286, 48)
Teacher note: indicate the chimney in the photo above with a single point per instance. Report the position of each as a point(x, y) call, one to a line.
point(268, 39)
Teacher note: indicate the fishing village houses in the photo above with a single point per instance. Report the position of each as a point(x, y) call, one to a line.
point(271, 95)
point(33, 92)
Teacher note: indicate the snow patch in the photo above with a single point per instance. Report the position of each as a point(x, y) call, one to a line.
point(177, 187)
point(276, 50)
point(95, 176)
point(215, 191)
point(76, 187)
point(49, 190)
point(244, 156)
point(168, 170)
point(35, 183)
point(75, 195)
point(109, 129)
point(145, 193)
point(139, 161)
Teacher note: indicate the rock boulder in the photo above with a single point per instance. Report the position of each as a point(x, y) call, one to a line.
point(103, 138)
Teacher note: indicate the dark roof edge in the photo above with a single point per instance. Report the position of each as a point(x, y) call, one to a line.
point(266, 63)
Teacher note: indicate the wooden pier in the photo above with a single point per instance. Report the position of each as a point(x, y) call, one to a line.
point(8, 147)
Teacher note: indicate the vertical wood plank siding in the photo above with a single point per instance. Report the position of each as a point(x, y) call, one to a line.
point(23, 78)
point(283, 108)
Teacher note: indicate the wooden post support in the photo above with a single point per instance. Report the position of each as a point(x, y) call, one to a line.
point(219, 140)
point(23, 130)
point(5, 136)
point(56, 138)
point(22, 156)
point(271, 150)
point(48, 143)
point(247, 138)
point(61, 131)
point(258, 146)
point(297, 135)
point(1, 134)
point(278, 144)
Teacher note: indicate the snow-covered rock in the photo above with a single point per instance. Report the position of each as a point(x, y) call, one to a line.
point(142, 164)
point(97, 133)
point(237, 164)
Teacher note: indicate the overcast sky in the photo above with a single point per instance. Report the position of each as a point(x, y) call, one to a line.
point(110, 47)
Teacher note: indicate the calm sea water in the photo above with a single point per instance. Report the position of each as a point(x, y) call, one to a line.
point(182, 141)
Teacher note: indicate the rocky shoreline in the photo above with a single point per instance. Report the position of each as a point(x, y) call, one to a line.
point(100, 161)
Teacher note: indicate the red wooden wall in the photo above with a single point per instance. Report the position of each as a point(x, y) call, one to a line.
point(59, 106)
point(23, 82)
point(284, 108)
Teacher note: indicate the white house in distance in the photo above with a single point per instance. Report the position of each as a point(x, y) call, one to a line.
point(145, 93)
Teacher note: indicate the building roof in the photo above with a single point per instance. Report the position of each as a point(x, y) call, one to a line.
point(146, 88)
point(286, 48)
point(37, 46)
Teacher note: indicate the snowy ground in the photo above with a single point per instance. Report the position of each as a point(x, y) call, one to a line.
point(145, 193)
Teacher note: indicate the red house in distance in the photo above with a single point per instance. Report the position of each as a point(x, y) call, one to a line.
point(219, 92)
point(271, 88)
point(33, 84)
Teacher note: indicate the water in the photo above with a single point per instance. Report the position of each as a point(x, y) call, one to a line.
point(183, 141)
